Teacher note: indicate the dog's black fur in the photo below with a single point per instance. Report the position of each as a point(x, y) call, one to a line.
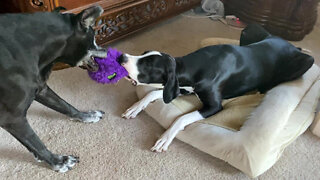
point(30, 44)
point(225, 71)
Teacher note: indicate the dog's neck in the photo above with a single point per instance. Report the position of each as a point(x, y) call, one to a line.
point(181, 73)
point(52, 50)
point(52, 45)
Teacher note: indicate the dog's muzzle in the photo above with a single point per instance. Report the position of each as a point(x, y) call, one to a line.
point(91, 64)
point(123, 60)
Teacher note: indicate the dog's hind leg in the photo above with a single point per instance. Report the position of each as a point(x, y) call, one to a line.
point(291, 69)
point(296, 66)
point(50, 99)
point(21, 130)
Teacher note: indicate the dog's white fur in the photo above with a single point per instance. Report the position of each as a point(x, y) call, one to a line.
point(177, 126)
point(62, 168)
point(131, 65)
point(135, 109)
point(94, 117)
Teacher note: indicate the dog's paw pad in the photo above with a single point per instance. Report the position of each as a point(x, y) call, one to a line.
point(65, 163)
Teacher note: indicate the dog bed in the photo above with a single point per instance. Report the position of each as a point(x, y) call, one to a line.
point(253, 130)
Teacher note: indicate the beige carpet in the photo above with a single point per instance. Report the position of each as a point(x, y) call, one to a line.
point(115, 148)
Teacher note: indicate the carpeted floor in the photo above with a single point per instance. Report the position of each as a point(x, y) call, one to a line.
point(115, 148)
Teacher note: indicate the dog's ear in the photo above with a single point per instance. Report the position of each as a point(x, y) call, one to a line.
point(171, 88)
point(58, 9)
point(88, 16)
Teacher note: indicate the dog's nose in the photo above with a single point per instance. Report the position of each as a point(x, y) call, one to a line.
point(123, 59)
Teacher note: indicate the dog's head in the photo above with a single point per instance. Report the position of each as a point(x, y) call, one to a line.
point(81, 48)
point(153, 67)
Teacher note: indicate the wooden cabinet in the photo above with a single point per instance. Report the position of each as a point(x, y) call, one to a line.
point(290, 19)
point(120, 17)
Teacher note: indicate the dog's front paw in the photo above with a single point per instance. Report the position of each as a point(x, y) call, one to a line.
point(134, 110)
point(90, 116)
point(164, 141)
point(64, 163)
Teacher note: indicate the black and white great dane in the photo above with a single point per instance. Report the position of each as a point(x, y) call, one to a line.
point(214, 73)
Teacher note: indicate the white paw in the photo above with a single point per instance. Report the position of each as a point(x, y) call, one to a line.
point(67, 162)
point(164, 141)
point(95, 116)
point(90, 117)
point(134, 110)
point(37, 159)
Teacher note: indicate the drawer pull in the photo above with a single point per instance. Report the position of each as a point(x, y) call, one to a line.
point(37, 3)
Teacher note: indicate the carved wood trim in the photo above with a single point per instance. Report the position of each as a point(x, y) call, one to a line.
point(114, 24)
point(126, 18)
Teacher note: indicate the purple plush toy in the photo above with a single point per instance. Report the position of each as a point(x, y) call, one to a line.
point(110, 71)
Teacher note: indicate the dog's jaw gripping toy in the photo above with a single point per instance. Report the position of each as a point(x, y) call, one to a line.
point(110, 71)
